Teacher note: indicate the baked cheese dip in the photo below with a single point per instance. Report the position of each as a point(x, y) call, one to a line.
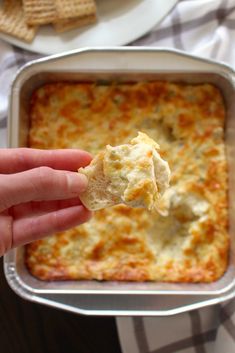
point(188, 241)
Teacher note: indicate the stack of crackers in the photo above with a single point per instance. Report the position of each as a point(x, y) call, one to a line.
point(22, 18)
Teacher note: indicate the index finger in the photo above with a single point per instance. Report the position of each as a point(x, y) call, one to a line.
point(16, 160)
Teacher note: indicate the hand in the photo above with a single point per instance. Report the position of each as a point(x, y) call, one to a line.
point(39, 194)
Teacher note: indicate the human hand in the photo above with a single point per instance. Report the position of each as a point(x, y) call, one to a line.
point(39, 194)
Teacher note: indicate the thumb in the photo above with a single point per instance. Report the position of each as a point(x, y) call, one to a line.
point(39, 184)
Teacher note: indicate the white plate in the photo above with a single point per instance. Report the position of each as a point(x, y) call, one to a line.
point(119, 22)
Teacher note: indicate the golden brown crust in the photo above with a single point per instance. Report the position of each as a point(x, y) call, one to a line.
point(191, 243)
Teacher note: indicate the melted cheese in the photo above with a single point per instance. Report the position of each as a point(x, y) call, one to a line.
point(189, 244)
point(137, 174)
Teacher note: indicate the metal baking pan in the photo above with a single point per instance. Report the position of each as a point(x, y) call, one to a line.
point(121, 64)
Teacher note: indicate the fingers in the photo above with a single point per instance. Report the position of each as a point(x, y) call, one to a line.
point(40, 207)
point(26, 230)
point(19, 159)
point(40, 184)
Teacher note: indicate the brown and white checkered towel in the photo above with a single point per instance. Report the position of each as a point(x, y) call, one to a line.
point(205, 28)
point(208, 330)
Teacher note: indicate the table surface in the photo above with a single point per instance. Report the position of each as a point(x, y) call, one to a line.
point(27, 327)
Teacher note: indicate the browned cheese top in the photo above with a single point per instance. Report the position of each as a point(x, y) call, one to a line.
point(191, 243)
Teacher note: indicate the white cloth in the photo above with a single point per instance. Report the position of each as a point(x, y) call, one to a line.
point(205, 28)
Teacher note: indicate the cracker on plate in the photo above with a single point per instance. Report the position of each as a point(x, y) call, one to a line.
point(13, 21)
point(74, 8)
point(39, 12)
point(66, 25)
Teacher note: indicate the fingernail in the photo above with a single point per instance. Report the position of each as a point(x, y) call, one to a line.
point(77, 182)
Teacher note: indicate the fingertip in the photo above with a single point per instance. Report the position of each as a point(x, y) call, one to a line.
point(84, 181)
point(87, 213)
point(85, 158)
point(88, 157)
point(77, 182)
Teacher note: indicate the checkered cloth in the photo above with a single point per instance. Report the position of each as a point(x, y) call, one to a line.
point(205, 28)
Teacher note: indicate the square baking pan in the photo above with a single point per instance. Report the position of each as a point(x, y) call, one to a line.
point(121, 65)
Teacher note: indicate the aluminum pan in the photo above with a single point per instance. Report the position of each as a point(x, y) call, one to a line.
point(105, 287)
point(106, 64)
point(124, 305)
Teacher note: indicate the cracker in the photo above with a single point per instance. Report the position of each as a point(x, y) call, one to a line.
point(39, 12)
point(74, 8)
point(66, 25)
point(97, 195)
point(13, 22)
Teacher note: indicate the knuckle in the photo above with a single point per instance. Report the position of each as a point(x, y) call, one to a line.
point(45, 178)
point(49, 183)
point(50, 180)
point(55, 221)
point(45, 171)
point(6, 195)
point(33, 226)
